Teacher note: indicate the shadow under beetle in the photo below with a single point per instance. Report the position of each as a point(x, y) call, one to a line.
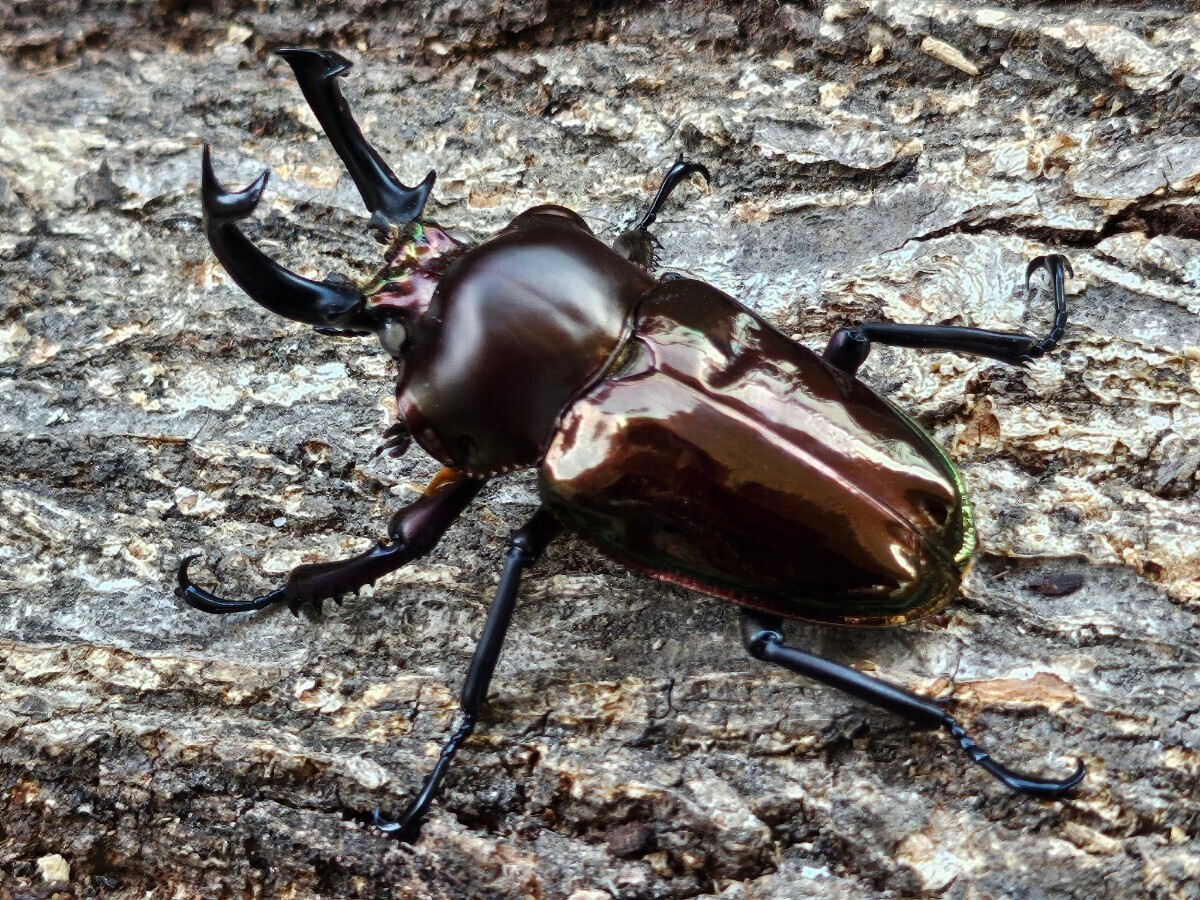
point(671, 427)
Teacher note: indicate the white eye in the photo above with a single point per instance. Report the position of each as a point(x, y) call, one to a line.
point(392, 336)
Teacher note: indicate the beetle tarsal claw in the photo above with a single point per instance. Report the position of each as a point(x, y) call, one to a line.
point(405, 830)
point(205, 601)
point(1052, 263)
point(1057, 267)
point(1045, 788)
point(681, 169)
point(315, 63)
point(397, 440)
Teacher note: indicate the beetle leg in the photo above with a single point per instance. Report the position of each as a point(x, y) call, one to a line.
point(637, 244)
point(764, 640)
point(413, 532)
point(392, 203)
point(397, 440)
point(333, 304)
point(525, 546)
point(848, 348)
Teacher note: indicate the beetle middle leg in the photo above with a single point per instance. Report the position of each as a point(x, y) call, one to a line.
point(764, 640)
point(637, 244)
point(412, 532)
point(524, 548)
point(848, 348)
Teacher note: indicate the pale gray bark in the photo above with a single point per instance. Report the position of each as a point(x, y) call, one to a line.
point(872, 159)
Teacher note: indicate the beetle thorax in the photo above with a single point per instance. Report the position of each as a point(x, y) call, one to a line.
point(515, 328)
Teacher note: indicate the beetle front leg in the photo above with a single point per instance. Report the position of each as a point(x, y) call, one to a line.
point(764, 640)
point(848, 348)
point(637, 244)
point(412, 532)
point(524, 548)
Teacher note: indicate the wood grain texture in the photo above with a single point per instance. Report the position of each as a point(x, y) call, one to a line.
point(871, 159)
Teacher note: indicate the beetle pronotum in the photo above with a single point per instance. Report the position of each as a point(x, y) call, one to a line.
point(670, 426)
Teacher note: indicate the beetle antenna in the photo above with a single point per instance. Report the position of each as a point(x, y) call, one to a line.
point(392, 203)
point(679, 171)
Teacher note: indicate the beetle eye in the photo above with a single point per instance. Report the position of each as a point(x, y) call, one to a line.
point(392, 337)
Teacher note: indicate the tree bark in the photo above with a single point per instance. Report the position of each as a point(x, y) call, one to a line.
point(890, 159)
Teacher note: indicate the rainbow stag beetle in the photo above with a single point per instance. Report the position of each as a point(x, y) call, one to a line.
point(670, 426)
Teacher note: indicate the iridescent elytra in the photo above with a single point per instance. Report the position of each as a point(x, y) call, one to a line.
point(671, 427)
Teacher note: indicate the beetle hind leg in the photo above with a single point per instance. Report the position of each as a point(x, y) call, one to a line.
point(764, 640)
point(637, 244)
point(848, 348)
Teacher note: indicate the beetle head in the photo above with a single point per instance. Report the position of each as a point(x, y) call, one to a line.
point(417, 251)
point(400, 295)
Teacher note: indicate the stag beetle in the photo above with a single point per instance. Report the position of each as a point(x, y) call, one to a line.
point(670, 426)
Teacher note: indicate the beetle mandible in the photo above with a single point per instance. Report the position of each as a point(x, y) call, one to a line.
point(670, 426)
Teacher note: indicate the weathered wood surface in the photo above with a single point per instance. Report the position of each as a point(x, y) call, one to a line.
point(871, 159)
